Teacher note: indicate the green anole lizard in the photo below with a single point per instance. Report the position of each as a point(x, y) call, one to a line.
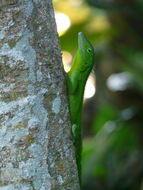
point(76, 80)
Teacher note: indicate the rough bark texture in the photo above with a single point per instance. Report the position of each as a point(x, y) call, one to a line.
point(36, 149)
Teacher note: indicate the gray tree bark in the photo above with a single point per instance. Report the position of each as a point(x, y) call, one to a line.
point(36, 149)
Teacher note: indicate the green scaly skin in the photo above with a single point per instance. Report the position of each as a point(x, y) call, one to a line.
point(76, 80)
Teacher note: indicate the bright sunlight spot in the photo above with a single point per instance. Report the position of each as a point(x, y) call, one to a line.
point(67, 59)
point(119, 81)
point(90, 87)
point(76, 10)
point(63, 22)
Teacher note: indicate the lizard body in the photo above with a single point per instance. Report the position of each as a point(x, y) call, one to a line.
point(76, 80)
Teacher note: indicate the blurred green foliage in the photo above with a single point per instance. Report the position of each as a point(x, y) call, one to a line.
point(113, 131)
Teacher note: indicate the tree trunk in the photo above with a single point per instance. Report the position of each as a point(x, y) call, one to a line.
point(36, 148)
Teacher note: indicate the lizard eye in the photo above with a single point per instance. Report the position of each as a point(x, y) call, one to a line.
point(89, 50)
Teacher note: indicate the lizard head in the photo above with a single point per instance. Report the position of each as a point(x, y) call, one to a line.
point(86, 51)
